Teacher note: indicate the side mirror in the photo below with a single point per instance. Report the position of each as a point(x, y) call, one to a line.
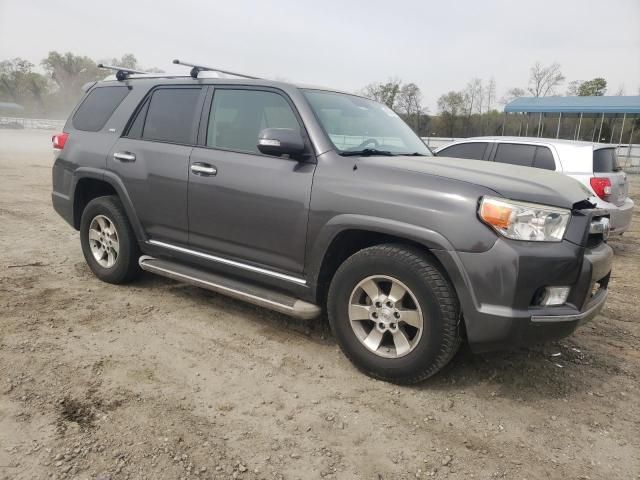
point(280, 141)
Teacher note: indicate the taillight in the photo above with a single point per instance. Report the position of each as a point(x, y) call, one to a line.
point(59, 140)
point(602, 187)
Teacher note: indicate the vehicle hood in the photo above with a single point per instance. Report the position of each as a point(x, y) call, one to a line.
point(510, 181)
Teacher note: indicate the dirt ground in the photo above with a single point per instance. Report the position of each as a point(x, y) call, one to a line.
point(162, 380)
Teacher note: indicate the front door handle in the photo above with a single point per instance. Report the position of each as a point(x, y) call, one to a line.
point(203, 169)
point(124, 156)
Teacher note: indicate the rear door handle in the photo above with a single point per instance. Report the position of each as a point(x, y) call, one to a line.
point(124, 156)
point(203, 169)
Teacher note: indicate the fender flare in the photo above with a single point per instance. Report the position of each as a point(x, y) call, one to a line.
point(112, 179)
point(341, 223)
point(438, 244)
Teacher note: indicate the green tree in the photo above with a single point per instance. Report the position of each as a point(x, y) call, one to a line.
point(70, 72)
point(128, 60)
point(596, 87)
point(386, 93)
point(451, 105)
point(19, 83)
point(12, 78)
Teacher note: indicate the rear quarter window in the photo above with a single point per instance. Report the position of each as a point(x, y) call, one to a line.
point(605, 160)
point(544, 159)
point(97, 108)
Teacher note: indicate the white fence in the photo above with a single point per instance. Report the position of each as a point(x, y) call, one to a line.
point(40, 123)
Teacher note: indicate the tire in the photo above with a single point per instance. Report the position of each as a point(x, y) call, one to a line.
point(428, 295)
point(117, 265)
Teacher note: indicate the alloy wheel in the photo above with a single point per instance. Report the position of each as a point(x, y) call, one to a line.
point(103, 240)
point(385, 316)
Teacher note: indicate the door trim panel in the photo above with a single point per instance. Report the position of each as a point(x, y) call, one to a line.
point(233, 263)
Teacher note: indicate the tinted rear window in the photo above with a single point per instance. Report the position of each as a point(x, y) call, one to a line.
point(605, 160)
point(515, 154)
point(472, 150)
point(98, 107)
point(171, 115)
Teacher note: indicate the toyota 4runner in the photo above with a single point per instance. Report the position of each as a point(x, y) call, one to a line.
point(304, 200)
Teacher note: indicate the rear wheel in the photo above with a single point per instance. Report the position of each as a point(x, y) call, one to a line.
point(108, 242)
point(394, 313)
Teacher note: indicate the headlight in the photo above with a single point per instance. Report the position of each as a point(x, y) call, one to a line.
point(524, 221)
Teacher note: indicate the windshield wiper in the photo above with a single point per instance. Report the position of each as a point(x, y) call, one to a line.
point(414, 154)
point(367, 152)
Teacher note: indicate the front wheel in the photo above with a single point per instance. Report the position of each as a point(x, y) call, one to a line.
point(394, 313)
point(108, 242)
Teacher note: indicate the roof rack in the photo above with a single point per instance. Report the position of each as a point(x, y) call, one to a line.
point(121, 72)
point(196, 69)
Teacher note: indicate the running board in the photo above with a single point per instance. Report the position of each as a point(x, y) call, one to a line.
point(254, 294)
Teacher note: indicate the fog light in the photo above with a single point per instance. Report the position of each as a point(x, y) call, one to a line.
point(554, 296)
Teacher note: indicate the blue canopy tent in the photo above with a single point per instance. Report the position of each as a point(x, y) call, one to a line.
point(601, 106)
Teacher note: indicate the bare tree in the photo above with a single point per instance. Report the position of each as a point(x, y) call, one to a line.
point(544, 80)
point(573, 87)
point(490, 93)
point(512, 94)
point(410, 103)
point(472, 100)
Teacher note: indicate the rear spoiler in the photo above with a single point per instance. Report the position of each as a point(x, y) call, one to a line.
point(87, 86)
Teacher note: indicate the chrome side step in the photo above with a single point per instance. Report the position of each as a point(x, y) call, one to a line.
point(247, 292)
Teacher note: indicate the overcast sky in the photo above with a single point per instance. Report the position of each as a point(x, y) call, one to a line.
point(440, 45)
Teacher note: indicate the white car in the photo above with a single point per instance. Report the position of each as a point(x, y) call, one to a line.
point(595, 165)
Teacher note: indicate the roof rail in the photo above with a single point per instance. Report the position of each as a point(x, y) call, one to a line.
point(199, 68)
point(121, 72)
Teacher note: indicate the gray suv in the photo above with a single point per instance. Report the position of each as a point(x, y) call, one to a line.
point(305, 200)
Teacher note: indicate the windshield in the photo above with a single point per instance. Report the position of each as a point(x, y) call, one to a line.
point(358, 125)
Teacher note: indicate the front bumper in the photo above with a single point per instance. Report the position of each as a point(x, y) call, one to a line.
point(498, 290)
point(592, 310)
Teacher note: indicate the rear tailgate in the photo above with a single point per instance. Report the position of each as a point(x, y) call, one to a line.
point(605, 165)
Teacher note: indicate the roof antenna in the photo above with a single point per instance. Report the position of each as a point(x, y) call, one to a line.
point(195, 69)
point(121, 72)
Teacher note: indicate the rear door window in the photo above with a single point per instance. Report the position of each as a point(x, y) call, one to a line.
point(544, 159)
point(470, 150)
point(515, 154)
point(172, 115)
point(605, 160)
point(98, 107)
